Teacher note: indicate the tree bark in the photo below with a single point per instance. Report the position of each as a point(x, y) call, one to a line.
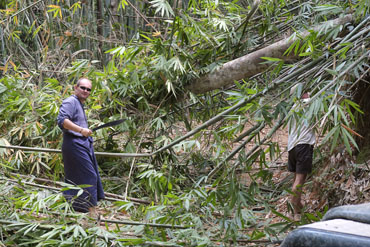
point(251, 64)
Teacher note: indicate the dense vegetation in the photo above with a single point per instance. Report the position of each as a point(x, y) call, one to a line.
point(212, 165)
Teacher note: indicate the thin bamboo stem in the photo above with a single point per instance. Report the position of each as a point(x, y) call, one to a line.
point(203, 126)
point(49, 150)
point(24, 9)
point(123, 222)
point(2, 45)
point(355, 29)
point(142, 16)
point(58, 189)
point(61, 184)
point(247, 133)
point(340, 75)
point(268, 136)
point(253, 10)
point(252, 134)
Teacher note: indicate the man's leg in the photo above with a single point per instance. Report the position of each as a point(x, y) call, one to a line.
point(299, 180)
point(93, 213)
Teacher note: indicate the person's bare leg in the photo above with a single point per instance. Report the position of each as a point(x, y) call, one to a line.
point(299, 180)
point(93, 213)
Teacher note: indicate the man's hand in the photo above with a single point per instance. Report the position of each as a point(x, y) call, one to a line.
point(86, 132)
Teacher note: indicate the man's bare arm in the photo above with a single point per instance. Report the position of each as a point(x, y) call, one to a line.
point(68, 124)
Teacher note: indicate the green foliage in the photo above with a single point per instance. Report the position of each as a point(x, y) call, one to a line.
point(163, 7)
point(144, 78)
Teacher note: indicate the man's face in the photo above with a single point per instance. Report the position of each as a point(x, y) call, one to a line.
point(305, 96)
point(83, 90)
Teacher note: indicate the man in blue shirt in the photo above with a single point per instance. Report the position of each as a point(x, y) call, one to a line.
point(80, 165)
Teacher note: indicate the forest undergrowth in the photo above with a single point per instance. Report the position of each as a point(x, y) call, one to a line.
point(204, 87)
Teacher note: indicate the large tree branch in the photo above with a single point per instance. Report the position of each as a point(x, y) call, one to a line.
point(251, 64)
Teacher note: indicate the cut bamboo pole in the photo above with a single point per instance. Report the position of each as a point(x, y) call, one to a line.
point(123, 222)
point(47, 187)
point(113, 196)
point(49, 150)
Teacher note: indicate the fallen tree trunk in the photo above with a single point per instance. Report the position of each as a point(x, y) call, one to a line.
point(251, 64)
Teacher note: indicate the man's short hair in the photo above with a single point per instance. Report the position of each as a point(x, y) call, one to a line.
point(82, 78)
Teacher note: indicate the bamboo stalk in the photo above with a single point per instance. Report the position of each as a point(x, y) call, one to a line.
point(355, 29)
point(253, 131)
point(49, 150)
point(127, 222)
point(248, 132)
point(340, 75)
point(205, 125)
point(268, 136)
point(60, 183)
point(142, 16)
point(58, 189)
point(3, 52)
point(253, 10)
point(271, 132)
point(123, 222)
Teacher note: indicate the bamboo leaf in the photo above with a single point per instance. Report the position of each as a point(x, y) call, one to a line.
point(272, 59)
point(335, 139)
point(346, 141)
point(330, 134)
point(163, 7)
point(332, 72)
point(350, 137)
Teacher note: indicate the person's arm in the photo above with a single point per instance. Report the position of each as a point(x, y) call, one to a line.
point(68, 124)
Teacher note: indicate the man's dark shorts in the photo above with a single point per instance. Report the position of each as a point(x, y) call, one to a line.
point(300, 159)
